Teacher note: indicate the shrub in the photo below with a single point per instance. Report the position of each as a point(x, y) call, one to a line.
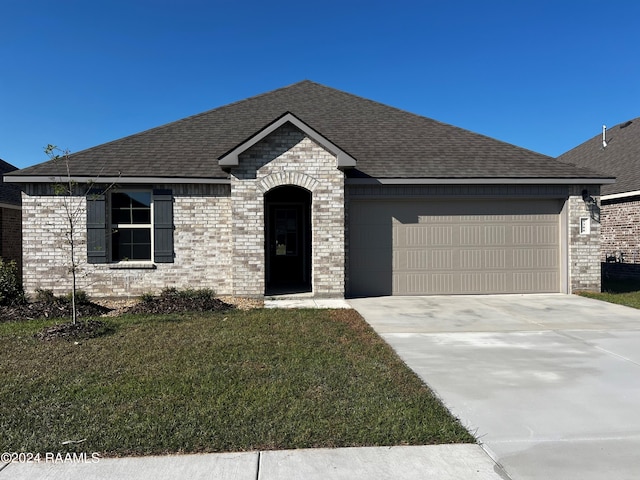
point(45, 296)
point(81, 297)
point(201, 294)
point(11, 290)
point(147, 297)
point(172, 300)
point(169, 292)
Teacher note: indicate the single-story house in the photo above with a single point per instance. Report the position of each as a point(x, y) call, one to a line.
point(311, 189)
point(10, 218)
point(616, 152)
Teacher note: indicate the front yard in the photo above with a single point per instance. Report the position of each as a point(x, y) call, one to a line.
point(623, 292)
point(218, 381)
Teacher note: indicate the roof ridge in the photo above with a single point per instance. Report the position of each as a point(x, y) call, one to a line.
point(297, 84)
point(626, 122)
point(598, 136)
point(388, 141)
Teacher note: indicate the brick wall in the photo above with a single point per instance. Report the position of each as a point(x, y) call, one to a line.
point(288, 157)
point(202, 243)
point(621, 230)
point(11, 230)
point(584, 249)
point(219, 229)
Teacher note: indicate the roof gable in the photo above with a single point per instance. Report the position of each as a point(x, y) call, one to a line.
point(386, 143)
point(230, 159)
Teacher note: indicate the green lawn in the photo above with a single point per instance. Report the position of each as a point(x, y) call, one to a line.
point(232, 381)
point(624, 292)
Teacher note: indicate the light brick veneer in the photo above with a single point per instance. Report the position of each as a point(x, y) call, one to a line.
point(219, 229)
point(288, 157)
point(584, 249)
point(219, 236)
point(202, 243)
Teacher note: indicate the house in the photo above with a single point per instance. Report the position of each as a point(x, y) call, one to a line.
point(10, 218)
point(311, 189)
point(616, 152)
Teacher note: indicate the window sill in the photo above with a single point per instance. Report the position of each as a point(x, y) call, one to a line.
point(132, 266)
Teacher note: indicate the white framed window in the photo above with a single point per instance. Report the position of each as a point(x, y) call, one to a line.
point(131, 214)
point(134, 224)
point(585, 225)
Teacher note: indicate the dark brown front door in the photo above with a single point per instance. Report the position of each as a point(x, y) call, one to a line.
point(287, 245)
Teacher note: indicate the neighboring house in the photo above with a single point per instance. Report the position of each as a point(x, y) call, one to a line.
point(616, 152)
point(10, 218)
point(310, 189)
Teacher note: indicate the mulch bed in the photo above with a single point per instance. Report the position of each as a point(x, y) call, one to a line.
point(60, 308)
point(168, 304)
point(50, 309)
point(81, 330)
point(159, 305)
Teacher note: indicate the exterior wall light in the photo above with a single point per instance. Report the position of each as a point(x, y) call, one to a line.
point(588, 199)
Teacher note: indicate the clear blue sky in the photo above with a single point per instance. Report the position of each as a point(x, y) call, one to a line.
point(541, 74)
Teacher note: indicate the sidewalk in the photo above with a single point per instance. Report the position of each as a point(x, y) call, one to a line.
point(441, 462)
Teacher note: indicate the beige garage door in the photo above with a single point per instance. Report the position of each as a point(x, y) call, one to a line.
point(454, 247)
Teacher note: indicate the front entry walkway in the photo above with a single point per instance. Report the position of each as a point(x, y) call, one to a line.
point(550, 384)
point(301, 301)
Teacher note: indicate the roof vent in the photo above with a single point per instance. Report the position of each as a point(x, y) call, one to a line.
point(604, 136)
point(626, 124)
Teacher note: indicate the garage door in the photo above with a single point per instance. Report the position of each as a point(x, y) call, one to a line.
point(454, 247)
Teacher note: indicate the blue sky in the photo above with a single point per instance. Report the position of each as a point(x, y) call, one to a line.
point(544, 75)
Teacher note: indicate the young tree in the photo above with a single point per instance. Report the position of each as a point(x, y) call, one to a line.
point(74, 197)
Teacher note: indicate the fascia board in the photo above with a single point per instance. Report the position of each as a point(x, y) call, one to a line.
point(109, 180)
point(614, 196)
point(479, 181)
point(10, 206)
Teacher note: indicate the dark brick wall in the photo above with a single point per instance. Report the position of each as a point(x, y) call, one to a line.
point(620, 230)
point(11, 230)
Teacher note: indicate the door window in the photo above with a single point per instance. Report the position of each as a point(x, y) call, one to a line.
point(286, 232)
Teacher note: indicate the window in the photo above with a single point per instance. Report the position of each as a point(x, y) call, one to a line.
point(286, 223)
point(132, 225)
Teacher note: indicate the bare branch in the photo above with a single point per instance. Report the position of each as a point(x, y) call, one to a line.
point(68, 189)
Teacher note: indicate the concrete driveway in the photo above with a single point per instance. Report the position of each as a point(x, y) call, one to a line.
point(550, 384)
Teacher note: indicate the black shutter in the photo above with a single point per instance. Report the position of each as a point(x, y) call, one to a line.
point(162, 226)
point(96, 228)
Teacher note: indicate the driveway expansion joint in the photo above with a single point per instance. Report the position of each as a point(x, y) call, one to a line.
point(597, 347)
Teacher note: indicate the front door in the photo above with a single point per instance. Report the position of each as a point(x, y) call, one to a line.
point(287, 242)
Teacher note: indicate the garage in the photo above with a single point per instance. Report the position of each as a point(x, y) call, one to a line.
point(455, 246)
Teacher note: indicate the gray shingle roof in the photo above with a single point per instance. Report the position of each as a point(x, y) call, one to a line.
point(8, 193)
point(385, 141)
point(620, 158)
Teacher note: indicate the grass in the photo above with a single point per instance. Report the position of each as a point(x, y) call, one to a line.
point(228, 381)
point(623, 292)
